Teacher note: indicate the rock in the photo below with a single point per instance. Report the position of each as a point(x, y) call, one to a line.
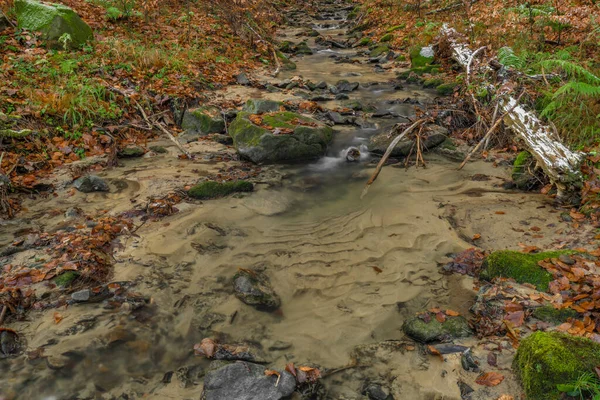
point(446, 89)
point(546, 360)
point(254, 288)
point(302, 48)
point(245, 381)
point(213, 190)
point(375, 391)
point(292, 137)
point(436, 135)
point(131, 152)
point(242, 79)
point(286, 47)
point(81, 296)
point(223, 139)
point(421, 56)
point(364, 124)
point(468, 362)
point(261, 106)
point(55, 22)
point(336, 118)
point(353, 154)
point(426, 328)
point(9, 343)
point(90, 183)
point(321, 97)
point(342, 96)
point(286, 63)
point(521, 267)
point(159, 149)
point(345, 86)
point(203, 121)
point(66, 278)
point(321, 85)
point(379, 51)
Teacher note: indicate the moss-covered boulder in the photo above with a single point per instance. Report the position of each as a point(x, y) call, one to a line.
point(386, 38)
point(203, 121)
point(379, 50)
point(548, 313)
point(364, 41)
point(281, 137)
point(261, 106)
point(426, 328)
point(131, 151)
point(254, 288)
point(432, 82)
point(286, 63)
point(59, 25)
point(212, 190)
point(446, 89)
point(302, 48)
point(421, 57)
point(521, 267)
point(546, 361)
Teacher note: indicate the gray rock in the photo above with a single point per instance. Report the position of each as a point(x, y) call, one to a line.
point(90, 183)
point(9, 344)
point(375, 391)
point(131, 152)
point(81, 296)
point(425, 328)
point(378, 144)
point(242, 79)
point(342, 96)
point(254, 288)
point(321, 97)
point(203, 121)
point(353, 154)
point(245, 381)
point(336, 118)
point(261, 106)
point(321, 85)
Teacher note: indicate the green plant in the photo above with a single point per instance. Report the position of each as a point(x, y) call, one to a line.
point(65, 40)
point(585, 386)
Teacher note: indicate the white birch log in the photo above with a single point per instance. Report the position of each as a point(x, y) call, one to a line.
point(559, 163)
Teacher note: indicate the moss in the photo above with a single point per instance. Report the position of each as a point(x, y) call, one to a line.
point(286, 63)
point(520, 165)
point(432, 82)
point(260, 106)
point(552, 315)
point(379, 50)
point(302, 48)
point(403, 74)
point(417, 60)
point(521, 267)
point(213, 190)
point(386, 38)
point(131, 152)
point(446, 89)
point(395, 28)
point(158, 149)
point(283, 119)
point(364, 41)
point(286, 46)
point(547, 359)
point(427, 69)
point(453, 327)
point(401, 58)
point(203, 120)
point(66, 278)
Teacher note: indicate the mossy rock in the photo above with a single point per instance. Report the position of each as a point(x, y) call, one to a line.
point(302, 48)
point(159, 149)
point(212, 190)
point(379, 50)
point(427, 69)
point(286, 47)
point(203, 121)
point(364, 41)
point(432, 82)
point(254, 288)
point(286, 63)
point(53, 21)
point(425, 332)
point(446, 89)
point(307, 140)
point(386, 38)
point(395, 28)
point(131, 152)
point(553, 315)
point(521, 267)
point(421, 57)
point(314, 33)
point(261, 106)
point(66, 278)
point(545, 360)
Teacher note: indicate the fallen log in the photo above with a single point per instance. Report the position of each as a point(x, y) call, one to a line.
point(561, 165)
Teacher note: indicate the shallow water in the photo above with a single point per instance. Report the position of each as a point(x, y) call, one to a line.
point(349, 271)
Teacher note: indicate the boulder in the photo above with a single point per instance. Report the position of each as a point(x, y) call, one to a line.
point(345, 86)
point(261, 106)
point(203, 121)
point(59, 25)
point(212, 190)
point(425, 328)
point(131, 152)
point(548, 363)
point(245, 381)
point(421, 56)
point(254, 288)
point(90, 183)
point(302, 48)
point(242, 79)
point(282, 137)
point(436, 135)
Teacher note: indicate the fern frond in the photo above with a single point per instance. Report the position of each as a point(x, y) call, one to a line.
point(578, 89)
point(573, 70)
point(508, 58)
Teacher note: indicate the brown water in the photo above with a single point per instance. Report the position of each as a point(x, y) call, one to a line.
point(319, 243)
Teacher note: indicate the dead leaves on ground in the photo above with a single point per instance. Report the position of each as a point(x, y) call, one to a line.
point(467, 262)
point(490, 379)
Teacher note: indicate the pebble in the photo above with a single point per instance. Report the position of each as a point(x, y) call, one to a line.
point(81, 296)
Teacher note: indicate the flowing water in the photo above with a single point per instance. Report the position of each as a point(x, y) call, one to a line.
point(348, 271)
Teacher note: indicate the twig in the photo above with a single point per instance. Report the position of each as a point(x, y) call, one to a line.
point(336, 370)
point(489, 133)
point(389, 151)
point(8, 19)
point(225, 120)
point(471, 58)
point(3, 314)
point(272, 48)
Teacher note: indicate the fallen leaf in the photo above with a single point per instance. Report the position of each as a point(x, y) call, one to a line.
point(490, 379)
point(452, 313)
point(441, 317)
point(377, 270)
point(57, 317)
point(492, 359)
point(476, 236)
point(435, 352)
point(500, 212)
point(205, 348)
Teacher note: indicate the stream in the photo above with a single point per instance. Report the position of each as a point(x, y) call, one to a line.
point(348, 270)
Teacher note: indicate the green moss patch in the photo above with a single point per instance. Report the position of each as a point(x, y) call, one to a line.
point(379, 50)
point(417, 59)
point(547, 359)
point(395, 28)
point(552, 315)
point(213, 190)
point(446, 89)
point(66, 278)
point(521, 267)
point(432, 82)
point(426, 328)
point(386, 38)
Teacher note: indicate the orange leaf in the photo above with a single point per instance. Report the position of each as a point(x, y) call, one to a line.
point(452, 313)
point(476, 236)
point(57, 317)
point(441, 318)
point(490, 379)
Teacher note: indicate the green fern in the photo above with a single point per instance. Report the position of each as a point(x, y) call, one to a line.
point(574, 71)
point(508, 58)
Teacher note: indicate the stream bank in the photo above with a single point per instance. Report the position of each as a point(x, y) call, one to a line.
point(348, 273)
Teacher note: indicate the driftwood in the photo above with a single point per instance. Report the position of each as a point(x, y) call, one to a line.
point(559, 163)
point(388, 152)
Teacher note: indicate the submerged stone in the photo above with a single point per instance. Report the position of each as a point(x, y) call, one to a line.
point(254, 288)
point(426, 328)
point(90, 183)
point(436, 135)
point(547, 361)
point(59, 25)
point(282, 137)
point(213, 190)
point(245, 381)
point(203, 121)
point(346, 86)
point(521, 267)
